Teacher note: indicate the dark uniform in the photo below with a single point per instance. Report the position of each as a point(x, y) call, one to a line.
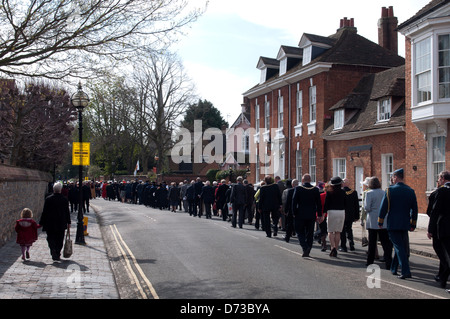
point(400, 206)
point(351, 215)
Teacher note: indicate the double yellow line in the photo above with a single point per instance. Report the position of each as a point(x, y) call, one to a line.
point(130, 261)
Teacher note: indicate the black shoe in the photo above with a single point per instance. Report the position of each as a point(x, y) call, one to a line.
point(404, 276)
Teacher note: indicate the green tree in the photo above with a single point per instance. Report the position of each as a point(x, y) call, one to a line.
point(205, 111)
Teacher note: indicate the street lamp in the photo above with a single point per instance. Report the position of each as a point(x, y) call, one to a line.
point(80, 100)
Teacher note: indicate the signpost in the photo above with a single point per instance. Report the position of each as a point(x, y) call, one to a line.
point(81, 154)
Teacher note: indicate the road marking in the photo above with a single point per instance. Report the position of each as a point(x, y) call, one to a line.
point(135, 263)
point(386, 281)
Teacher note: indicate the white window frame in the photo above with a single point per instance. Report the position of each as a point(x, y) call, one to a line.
point(266, 114)
point(257, 116)
point(339, 119)
point(436, 162)
point(263, 76)
point(387, 168)
point(443, 65)
point(384, 109)
point(298, 164)
point(312, 165)
point(340, 167)
point(312, 104)
point(280, 110)
point(283, 66)
point(299, 107)
point(307, 52)
point(423, 62)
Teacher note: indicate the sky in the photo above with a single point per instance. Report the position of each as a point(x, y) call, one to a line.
point(221, 49)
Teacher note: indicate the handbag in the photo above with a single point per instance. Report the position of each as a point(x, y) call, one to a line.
point(67, 246)
point(364, 240)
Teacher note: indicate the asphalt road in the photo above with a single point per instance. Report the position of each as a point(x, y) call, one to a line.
point(164, 255)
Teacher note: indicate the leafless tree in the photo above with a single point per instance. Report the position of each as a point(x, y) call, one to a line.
point(61, 38)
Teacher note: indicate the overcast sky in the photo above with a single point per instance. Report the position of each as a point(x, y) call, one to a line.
point(221, 50)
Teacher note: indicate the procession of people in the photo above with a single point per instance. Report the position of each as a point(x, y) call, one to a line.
point(325, 211)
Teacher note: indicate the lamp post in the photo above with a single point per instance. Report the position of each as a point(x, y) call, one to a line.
point(80, 100)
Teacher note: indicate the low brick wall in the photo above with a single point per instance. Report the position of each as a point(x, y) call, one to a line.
point(20, 188)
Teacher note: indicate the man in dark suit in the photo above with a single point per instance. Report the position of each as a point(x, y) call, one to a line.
point(198, 207)
point(439, 226)
point(237, 199)
point(270, 205)
point(306, 206)
point(400, 206)
point(55, 220)
point(207, 196)
point(351, 216)
point(190, 197)
point(288, 212)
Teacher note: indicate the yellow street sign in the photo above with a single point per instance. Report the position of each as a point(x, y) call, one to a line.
point(81, 155)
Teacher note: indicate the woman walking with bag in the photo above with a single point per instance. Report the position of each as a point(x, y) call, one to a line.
point(335, 208)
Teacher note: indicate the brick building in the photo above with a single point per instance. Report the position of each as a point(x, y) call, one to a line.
point(298, 97)
point(427, 77)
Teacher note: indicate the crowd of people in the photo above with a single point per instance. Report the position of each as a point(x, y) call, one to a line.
point(325, 211)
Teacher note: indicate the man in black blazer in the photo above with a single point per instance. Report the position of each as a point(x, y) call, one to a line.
point(237, 198)
point(439, 226)
point(270, 205)
point(55, 220)
point(306, 206)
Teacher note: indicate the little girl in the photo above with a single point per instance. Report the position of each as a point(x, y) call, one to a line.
point(26, 229)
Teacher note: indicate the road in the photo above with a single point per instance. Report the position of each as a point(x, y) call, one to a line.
point(164, 255)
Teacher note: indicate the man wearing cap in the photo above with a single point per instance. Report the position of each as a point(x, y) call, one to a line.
point(400, 206)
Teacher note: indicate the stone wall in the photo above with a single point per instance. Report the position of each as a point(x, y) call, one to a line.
point(20, 188)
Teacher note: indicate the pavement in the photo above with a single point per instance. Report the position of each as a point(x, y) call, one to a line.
point(88, 273)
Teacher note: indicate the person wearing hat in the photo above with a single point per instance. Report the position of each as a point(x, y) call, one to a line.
point(400, 205)
point(334, 207)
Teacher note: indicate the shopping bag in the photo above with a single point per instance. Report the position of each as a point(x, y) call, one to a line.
point(67, 246)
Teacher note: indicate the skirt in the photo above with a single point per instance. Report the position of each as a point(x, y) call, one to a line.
point(336, 220)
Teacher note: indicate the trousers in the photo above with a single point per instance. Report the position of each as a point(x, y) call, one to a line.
point(400, 241)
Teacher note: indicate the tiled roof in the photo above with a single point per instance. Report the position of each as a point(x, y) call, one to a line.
point(364, 99)
point(430, 7)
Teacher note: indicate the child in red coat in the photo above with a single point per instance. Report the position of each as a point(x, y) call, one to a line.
point(27, 234)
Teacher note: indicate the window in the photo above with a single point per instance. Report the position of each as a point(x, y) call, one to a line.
point(312, 164)
point(438, 156)
point(267, 114)
point(280, 111)
point(257, 117)
point(384, 110)
point(387, 168)
point(298, 165)
point(339, 167)
point(312, 104)
point(423, 70)
point(246, 141)
point(299, 107)
point(339, 119)
point(263, 76)
point(444, 66)
point(307, 55)
point(283, 66)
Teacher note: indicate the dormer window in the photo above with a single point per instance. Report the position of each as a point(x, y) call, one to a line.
point(263, 76)
point(307, 55)
point(283, 66)
point(384, 109)
point(339, 119)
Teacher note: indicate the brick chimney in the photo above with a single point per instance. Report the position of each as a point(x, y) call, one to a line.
point(348, 24)
point(387, 30)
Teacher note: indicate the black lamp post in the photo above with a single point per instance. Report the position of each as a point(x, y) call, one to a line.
point(80, 100)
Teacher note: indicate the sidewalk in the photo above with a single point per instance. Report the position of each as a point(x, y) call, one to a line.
point(85, 275)
point(418, 241)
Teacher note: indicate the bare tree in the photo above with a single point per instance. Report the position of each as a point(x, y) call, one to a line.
point(60, 38)
point(165, 91)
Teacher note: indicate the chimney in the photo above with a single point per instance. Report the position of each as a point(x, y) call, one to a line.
point(387, 30)
point(347, 24)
